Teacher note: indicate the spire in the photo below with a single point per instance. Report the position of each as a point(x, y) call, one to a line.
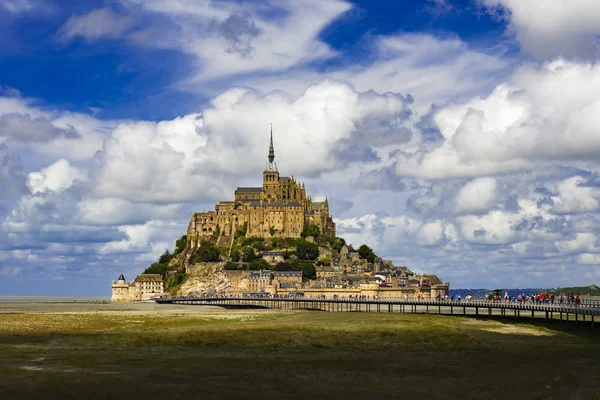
point(271, 148)
point(271, 166)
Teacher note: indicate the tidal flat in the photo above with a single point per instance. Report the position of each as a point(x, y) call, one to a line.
point(114, 351)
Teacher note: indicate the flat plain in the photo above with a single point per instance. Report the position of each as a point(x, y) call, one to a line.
point(95, 350)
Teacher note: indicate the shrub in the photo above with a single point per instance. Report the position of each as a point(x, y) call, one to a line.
point(325, 261)
point(307, 251)
point(231, 266)
point(180, 244)
point(250, 255)
point(366, 253)
point(241, 232)
point(310, 230)
point(338, 243)
point(207, 252)
point(165, 258)
point(235, 255)
point(272, 231)
point(259, 245)
point(259, 264)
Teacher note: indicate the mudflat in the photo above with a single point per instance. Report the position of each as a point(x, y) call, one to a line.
point(84, 350)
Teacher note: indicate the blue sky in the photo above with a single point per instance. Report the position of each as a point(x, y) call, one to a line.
point(457, 137)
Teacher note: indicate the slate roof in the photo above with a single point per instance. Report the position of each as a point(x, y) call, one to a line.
point(288, 273)
point(121, 278)
point(249, 190)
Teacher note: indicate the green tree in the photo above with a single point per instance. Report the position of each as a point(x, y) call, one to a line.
point(325, 261)
point(156, 268)
point(338, 243)
point(366, 253)
point(250, 255)
point(235, 255)
point(259, 245)
point(207, 252)
point(307, 251)
point(259, 264)
point(308, 270)
point(272, 230)
point(180, 244)
point(165, 258)
point(275, 242)
point(231, 266)
point(283, 266)
point(241, 232)
point(310, 230)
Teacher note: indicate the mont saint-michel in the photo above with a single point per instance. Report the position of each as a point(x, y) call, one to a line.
point(273, 239)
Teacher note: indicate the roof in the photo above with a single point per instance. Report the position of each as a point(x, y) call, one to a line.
point(288, 273)
point(248, 190)
point(275, 204)
point(272, 253)
point(121, 277)
point(284, 178)
point(149, 278)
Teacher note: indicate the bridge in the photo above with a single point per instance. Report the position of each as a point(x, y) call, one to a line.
point(587, 311)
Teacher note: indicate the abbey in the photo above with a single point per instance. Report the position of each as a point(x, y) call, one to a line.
point(278, 208)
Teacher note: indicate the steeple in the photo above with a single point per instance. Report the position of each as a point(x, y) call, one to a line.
point(271, 148)
point(271, 166)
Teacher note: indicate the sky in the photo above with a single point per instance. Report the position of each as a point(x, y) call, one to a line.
point(456, 137)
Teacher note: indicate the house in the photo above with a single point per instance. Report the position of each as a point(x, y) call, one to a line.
point(288, 277)
point(273, 257)
point(325, 272)
point(258, 281)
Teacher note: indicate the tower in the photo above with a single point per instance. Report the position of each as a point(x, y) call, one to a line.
point(271, 175)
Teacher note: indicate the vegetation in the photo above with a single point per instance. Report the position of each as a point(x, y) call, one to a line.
point(250, 255)
point(235, 255)
point(591, 290)
point(366, 253)
point(326, 261)
point(307, 251)
point(180, 244)
point(241, 232)
point(310, 230)
point(207, 252)
point(259, 264)
point(240, 354)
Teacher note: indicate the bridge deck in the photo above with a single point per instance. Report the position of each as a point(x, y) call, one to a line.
point(586, 311)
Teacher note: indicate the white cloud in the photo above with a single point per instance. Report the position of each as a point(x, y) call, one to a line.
point(476, 195)
point(55, 177)
point(183, 159)
point(547, 29)
point(102, 22)
point(543, 114)
point(574, 197)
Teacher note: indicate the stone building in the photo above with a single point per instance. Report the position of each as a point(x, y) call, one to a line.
point(279, 208)
point(288, 277)
point(273, 257)
point(143, 287)
point(258, 281)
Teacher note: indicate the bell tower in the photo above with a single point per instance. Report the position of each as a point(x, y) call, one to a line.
point(271, 175)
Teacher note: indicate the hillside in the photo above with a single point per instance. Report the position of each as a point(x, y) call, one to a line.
point(591, 290)
point(246, 253)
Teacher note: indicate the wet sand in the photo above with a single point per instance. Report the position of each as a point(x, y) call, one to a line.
point(127, 308)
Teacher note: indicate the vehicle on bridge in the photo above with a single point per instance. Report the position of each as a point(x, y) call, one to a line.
point(494, 295)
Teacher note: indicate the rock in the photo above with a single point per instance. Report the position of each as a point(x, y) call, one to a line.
point(204, 277)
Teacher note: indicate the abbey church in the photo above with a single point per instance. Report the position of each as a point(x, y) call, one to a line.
point(278, 208)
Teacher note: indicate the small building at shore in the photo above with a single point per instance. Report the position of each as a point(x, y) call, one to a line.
point(143, 287)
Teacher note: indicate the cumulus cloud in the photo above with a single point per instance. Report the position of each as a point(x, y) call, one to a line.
point(56, 177)
point(24, 127)
point(546, 29)
point(523, 124)
point(476, 195)
point(181, 160)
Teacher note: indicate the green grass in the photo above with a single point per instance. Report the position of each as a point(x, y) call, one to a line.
point(277, 355)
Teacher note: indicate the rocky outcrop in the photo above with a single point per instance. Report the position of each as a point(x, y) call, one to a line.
point(205, 278)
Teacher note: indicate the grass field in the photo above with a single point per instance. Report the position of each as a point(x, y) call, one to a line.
point(282, 355)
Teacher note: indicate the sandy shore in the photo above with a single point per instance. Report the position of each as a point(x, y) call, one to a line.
point(127, 308)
